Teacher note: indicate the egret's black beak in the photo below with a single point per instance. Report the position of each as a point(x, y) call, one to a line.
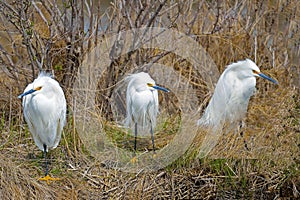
point(267, 77)
point(160, 88)
point(26, 93)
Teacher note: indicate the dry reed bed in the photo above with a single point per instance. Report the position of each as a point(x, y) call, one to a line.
point(268, 169)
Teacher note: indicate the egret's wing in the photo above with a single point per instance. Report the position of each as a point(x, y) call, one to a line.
point(216, 111)
point(31, 118)
point(153, 108)
point(228, 84)
point(60, 117)
point(128, 120)
point(33, 121)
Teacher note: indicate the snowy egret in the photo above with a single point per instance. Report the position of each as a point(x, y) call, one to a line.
point(44, 107)
point(142, 103)
point(232, 93)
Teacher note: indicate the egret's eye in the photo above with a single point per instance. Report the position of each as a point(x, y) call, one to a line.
point(255, 72)
point(150, 84)
point(38, 88)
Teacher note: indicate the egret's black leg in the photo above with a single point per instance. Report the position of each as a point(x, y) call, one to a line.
point(241, 125)
point(242, 135)
point(152, 138)
point(134, 159)
point(45, 157)
point(47, 177)
point(135, 136)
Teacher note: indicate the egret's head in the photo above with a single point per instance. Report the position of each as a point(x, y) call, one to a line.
point(34, 90)
point(255, 71)
point(39, 85)
point(152, 86)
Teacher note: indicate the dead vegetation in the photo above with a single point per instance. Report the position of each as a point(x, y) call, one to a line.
point(261, 164)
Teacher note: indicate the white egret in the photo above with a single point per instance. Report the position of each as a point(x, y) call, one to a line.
point(232, 93)
point(142, 103)
point(44, 107)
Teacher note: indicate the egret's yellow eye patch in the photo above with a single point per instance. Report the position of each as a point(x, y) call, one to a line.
point(38, 88)
point(150, 84)
point(255, 72)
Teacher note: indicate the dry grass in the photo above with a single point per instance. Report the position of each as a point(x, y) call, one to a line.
point(266, 168)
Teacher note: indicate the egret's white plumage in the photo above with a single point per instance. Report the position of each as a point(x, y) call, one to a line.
point(142, 101)
point(232, 93)
point(44, 107)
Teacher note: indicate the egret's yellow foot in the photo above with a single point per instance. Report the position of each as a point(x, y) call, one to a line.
point(48, 179)
point(133, 160)
point(154, 156)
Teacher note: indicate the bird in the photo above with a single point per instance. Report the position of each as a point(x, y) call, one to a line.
point(44, 109)
point(142, 103)
point(232, 93)
point(229, 102)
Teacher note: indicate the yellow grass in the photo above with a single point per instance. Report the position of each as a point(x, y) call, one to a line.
point(262, 163)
